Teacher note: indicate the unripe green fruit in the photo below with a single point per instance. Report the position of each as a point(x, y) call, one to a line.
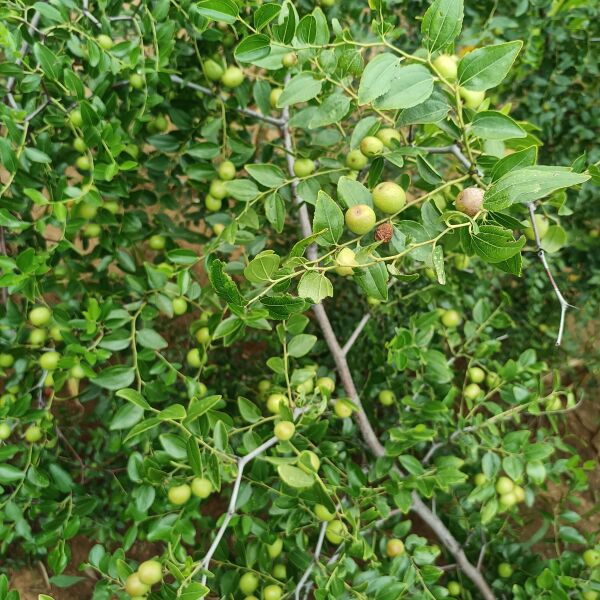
point(112, 206)
point(371, 146)
point(76, 118)
point(157, 242)
point(274, 549)
point(212, 204)
point(394, 547)
point(150, 572)
point(218, 228)
point(542, 225)
point(202, 487)
point(430, 273)
point(306, 387)
point(56, 333)
point(454, 588)
point(284, 431)
point(79, 145)
point(33, 434)
point(264, 386)
point(179, 494)
point(4, 431)
point(461, 261)
point(476, 374)
point(136, 81)
point(446, 65)
point(389, 197)
point(279, 571)
point(274, 97)
point(6, 360)
point(335, 531)
point(193, 358)
point(505, 570)
point(289, 60)
point(480, 479)
point(227, 170)
point(248, 583)
point(590, 595)
point(77, 372)
point(504, 485)
point(49, 360)
point(83, 163)
point(105, 42)
point(346, 260)
point(87, 211)
point(470, 201)
point(472, 99)
point(553, 403)
point(508, 500)
point(326, 385)
point(275, 402)
point(272, 592)
point(203, 335)
point(37, 337)
point(591, 558)
point(213, 70)
point(342, 409)
point(387, 135)
point(135, 587)
point(218, 189)
point(519, 493)
point(303, 167)
point(179, 305)
point(472, 391)
point(451, 318)
point(232, 77)
point(160, 123)
point(308, 457)
point(387, 397)
point(356, 160)
point(322, 513)
point(92, 230)
point(492, 380)
point(360, 219)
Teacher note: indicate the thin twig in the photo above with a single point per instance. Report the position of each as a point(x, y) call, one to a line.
point(357, 331)
point(313, 562)
point(367, 431)
point(245, 111)
point(564, 305)
point(89, 15)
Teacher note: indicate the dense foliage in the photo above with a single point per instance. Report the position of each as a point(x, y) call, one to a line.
point(187, 188)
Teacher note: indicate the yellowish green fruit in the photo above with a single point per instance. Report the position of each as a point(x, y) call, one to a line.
point(492, 380)
point(150, 572)
point(308, 461)
point(591, 558)
point(356, 160)
point(76, 118)
point(472, 391)
point(4, 431)
point(105, 42)
point(232, 77)
point(272, 592)
point(345, 261)
point(284, 431)
point(179, 494)
point(275, 402)
point(194, 359)
point(542, 223)
point(179, 305)
point(279, 571)
point(476, 374)
point(508, 500)
point(323, 514)
point(274, 97)
point(135, 587)
point(218, 228)
point(360, 219)
point(248, 583)
point(389, 197)
point(371, 146)
point(387, 397)
point(212, 69)
point(461, 261)
point(136, 81)
point(480, 479)
point(92, 230)
point(203, 336)
point(289, 60)
point(79, 145)
point(201, 487)
point(6, 360)
point(471, 99)
point(37, 337)
point(326, 385)
point(336, 531)
point(49, 360)
point(274, 549)
point(83, 163)
point(387, 135)
point(33, 434)
point(394, 547)
point(227, 170)
point(303, 167)
point(212, 204)
point(451, 318)
point(264, 386)
point(447, 66)
point(157, 242)
point(454, 588)
point(342, 409)
point(504, 485)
